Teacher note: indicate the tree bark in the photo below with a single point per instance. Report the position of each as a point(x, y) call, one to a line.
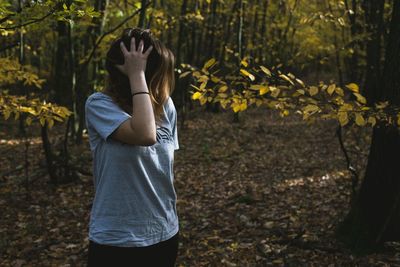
point(375, 215)
point(374, 23)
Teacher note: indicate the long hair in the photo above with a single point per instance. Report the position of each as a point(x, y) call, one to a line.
point(159, 71)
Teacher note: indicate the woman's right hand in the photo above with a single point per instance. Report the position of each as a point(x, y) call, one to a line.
point(134, 60)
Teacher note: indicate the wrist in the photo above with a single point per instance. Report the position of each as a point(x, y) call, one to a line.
point(136, 75)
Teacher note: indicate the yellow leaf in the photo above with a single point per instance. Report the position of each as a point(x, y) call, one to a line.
point(196, 74)
point(256, 87)
point(265, 70)
point(286, 78)
point(28, 121)
point(224, 103)
point(343, 118)
point(42, 121)
point(372, 121)
point(243, 106)
point(301, 91)
point(244, 63)
point(274, 91)
point(313, 90)
point(50, 122)
point(236, 107)
point(202, 78)
point(209, 63)
point(339, 91)
point(360, 98)
point(285, 113)
point(203, 100)
point(331, 89)
point(223, 89)
point(311, 108)
point(300, 82)
point(264, 90)
point(184, 74)
point(247, 74)
point(196, 95)
point(215, 79)
point(360, 121)
point(6, 114)
point(382, 105)
point(203, 85)
point(259, 102)
point(353, 87)
point(16, 115)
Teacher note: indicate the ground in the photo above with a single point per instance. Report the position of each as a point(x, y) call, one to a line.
point(267, 191)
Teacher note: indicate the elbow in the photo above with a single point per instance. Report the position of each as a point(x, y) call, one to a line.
point(149, 140)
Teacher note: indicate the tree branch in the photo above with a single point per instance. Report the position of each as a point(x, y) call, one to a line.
point(353, 171)
point(111, 31)
point(29, 22)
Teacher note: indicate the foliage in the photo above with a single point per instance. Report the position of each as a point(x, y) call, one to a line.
point(258, 85)
point(11, 72)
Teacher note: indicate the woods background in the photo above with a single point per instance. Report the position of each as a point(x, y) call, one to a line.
point(52, 56)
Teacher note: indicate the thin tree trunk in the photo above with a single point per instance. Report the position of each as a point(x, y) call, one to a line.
point(142, 16)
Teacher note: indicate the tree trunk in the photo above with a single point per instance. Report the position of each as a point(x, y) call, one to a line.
point(142, 16)
point(375, 215)
point(374, 23)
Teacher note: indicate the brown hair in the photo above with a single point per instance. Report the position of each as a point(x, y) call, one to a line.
point(159, 71)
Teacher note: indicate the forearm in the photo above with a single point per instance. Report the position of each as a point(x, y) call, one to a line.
point(142, 121)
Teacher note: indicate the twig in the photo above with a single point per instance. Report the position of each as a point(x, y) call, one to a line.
point(111, 31)
point(353, 171)
point(29, 22)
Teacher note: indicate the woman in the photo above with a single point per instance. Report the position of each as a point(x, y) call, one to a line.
point(133, 135)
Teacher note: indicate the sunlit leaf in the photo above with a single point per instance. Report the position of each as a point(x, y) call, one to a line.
point(360, 121)
point(331, 89)
point(266, 70)
point(186, 73)
point(353, 87)
point(247, 74)
point(360, 98)
point(372, 120)
point(343, 118)
point(223, 89)
point(313, 90)
point(196, 95)
point(209, 63)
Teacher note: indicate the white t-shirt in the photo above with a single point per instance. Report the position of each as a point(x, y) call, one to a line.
point(135, 200)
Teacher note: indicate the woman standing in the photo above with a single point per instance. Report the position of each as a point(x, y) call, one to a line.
point(132, 129)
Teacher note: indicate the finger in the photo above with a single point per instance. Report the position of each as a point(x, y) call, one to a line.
point(123, 48)
point(140, 48)
point(133, 44)
point(148, 51)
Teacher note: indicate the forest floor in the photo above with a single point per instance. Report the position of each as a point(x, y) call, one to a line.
point(266, 191)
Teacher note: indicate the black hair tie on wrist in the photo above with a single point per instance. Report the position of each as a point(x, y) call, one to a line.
point(138, 93)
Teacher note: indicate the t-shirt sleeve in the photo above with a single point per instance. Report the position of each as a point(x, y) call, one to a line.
point(104, 116)
point(174, 123)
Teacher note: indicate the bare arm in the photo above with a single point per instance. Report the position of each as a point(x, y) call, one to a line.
point(140, 129)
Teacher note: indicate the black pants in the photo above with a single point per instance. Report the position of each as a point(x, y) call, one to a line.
point(162, 254)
